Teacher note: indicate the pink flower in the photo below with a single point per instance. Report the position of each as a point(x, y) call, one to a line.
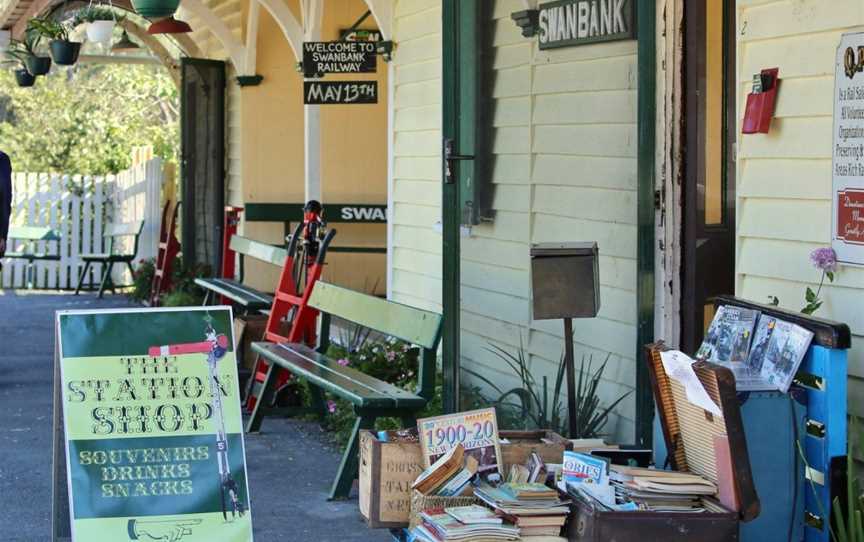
point(331, 406)
point(344, 362)
point(824, 259)
point(391, 356)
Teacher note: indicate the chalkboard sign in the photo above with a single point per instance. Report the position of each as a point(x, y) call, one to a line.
point(320, 57)
point(340, 92)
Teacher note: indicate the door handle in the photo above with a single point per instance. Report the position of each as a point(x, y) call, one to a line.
point(449, 157)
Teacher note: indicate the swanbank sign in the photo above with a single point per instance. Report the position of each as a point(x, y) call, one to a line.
point(576, 22)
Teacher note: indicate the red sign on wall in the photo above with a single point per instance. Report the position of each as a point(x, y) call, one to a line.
point(850, 216)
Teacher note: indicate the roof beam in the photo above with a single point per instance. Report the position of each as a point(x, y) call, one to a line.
point(236, 50)
point(287, 22)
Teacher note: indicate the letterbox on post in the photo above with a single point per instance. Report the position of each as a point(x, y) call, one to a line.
point(565, 283)
point(564, 280)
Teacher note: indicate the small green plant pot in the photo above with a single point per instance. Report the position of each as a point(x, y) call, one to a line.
point(24, 78)
point(38, 65)
point(65, 53)
point(155, 9)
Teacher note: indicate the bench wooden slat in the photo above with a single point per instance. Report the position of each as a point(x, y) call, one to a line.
point(324, 378)
point(248, 297)
point(32, 233)
point(258, 250)
point(124, 229)
point(410, 324)
point(404, 398)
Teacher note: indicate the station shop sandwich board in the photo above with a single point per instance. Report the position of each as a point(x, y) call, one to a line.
point(148, 440)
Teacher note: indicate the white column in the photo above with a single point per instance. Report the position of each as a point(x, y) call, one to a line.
point(312, 22)
point(312, 155)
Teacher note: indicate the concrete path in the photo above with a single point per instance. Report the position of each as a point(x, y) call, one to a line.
point(291, 464)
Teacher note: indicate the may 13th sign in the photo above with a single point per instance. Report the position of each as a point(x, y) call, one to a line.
point(153, 430)
point(847, 237)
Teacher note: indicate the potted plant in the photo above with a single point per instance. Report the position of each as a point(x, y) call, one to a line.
point(155, 9)
point(63, 51)
point(16, 52)
point(36, 64)
point(100, 22)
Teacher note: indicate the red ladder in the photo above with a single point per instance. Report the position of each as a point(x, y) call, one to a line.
point(229, 257)
point(169, 248)
point(292, 305)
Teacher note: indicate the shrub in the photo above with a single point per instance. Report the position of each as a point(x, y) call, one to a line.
point(142, 280)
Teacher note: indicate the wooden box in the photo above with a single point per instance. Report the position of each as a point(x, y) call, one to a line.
point(690, 433)
point(387, 470)
point(248, 328)
point(549, 445)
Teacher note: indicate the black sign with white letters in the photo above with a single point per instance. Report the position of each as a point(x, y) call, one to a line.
point(320, 57)
point(340, 92)
point(578, 22)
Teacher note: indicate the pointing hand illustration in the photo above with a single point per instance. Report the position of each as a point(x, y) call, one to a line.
point(168, 531)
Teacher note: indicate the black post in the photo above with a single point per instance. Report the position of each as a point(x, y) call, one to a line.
point(570, 367)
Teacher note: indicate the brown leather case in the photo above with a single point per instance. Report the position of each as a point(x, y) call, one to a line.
point(690, 433)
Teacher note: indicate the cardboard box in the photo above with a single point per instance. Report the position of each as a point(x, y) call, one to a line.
point(387, 470)
point(548, 444)
point(248, 328)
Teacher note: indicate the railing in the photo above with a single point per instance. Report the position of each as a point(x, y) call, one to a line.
point(77, 208)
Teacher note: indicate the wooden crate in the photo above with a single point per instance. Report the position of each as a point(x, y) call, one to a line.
point(387, 470)
point(548, 444)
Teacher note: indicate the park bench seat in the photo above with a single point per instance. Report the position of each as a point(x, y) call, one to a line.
point(245, 296)
point(112, 255)
point(372, 398)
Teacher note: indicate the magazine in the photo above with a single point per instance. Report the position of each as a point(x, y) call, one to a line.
point(783, 355)
point(751, 379)
point(728, 339)
point(476, 431)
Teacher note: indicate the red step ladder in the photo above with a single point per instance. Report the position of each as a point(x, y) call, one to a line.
point(290, 303)
point(169, 248)
point(229, 257)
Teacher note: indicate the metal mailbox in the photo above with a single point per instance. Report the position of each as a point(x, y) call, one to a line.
point(565, 280)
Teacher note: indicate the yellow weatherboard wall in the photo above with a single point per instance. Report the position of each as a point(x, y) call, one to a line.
point(353, 151)
point(784, 177)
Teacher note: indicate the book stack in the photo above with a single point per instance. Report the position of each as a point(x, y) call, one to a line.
point(450, 476)
point(474, 523)
point(534, 508)
point(660, 490)
point(534, 470)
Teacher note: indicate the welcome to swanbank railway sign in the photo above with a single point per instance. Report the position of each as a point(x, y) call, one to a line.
point(576, 22)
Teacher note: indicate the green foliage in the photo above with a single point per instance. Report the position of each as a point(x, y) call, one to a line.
point(142, 280)
point(531, 406)
point(48, 28)
point(94, 13)
point(180, 298)
point(88, 119)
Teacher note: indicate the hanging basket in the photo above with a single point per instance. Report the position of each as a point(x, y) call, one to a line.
point(65, 53)
point(100, 31)
point(38, 65)
point(24, 78)
point(155, 9)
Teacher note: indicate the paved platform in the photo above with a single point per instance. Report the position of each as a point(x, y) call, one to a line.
point(291, 464)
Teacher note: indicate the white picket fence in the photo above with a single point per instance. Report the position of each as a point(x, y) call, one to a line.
point(78, 208)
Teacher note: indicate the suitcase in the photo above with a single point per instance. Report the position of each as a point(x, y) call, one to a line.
point(689, 432)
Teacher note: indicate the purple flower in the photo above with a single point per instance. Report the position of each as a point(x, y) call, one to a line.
point(824, 259)
point(391, 356)
point(331, 406)
point(344, 362)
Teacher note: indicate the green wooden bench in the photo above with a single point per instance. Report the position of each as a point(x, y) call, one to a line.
point(113, 255)
point(29, 236)
point(372, 398)
point(250, 299)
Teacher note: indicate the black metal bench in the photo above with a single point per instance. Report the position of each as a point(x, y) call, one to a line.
point(113, 232)
point(28, 236)
point(250, 299)
point(372, 398)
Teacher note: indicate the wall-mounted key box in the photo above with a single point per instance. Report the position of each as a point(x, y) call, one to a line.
point(565, 280)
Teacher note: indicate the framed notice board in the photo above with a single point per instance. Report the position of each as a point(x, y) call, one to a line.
point(148, 439)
